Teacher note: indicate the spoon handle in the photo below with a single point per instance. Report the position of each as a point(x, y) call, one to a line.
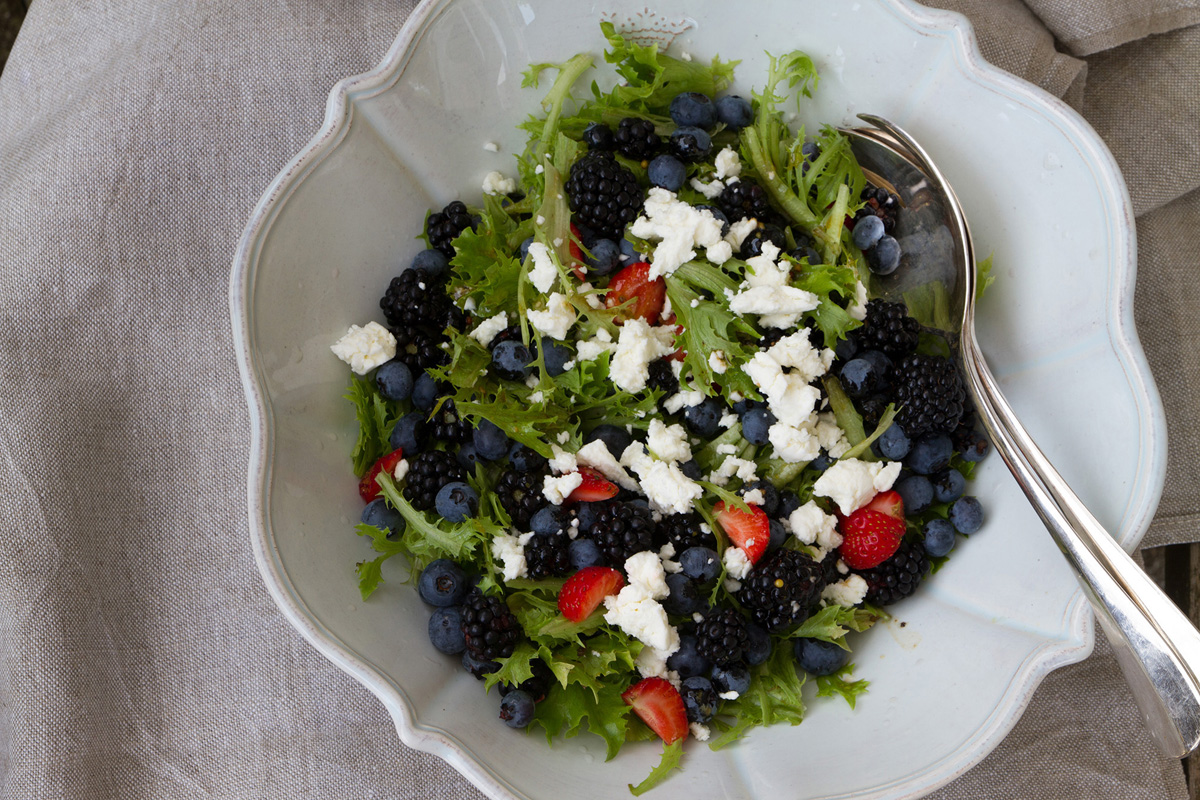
point(1156, 644)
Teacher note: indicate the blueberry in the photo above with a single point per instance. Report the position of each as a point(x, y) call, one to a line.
point(822, 462)
point(629, 255)
point(615, 438)
point(880, 359)
point(770, 495)
point(691, 469)
point(893, 444)
point(939, 537)
point(966, 515)
point(701, 564)
point(846, 348)
point(860, 377)
point(445, 630)
point(733, 678)
point(550, 520)
point(468, 456)
point(756, 425)
point(916, 491)
point(587, 514)
point(690, 143)
point(687, 660)
point(410, 433)
point(699, 698)
point(511, 359)
point(379, 514)
point(704, 419)
point(478, 668)
point(456, 501)
point(973, 446)
point(745, 405)
point(523, 253)
point(556, 355)
point(603, 257)
point(585, 553)
point(867, 232)
point(525, 459)
point(395, 380)
point(819, 657)
point(930, 454)
point(752, 245)
point(432, 261)
point(758, 644)
point(788, 502)
point(948, 485)
point(778, 534)
point(734, 111)
point(490, 442)
point(667, 172)
point(598, 136)
point(811, 152)
point(686, 597)
point(425, 392)
point(443, 583)
point(516, 709)
point(884, 257)
point(806, 253)
point(693, 109)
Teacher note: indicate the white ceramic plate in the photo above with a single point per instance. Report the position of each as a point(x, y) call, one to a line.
point(1042, 194)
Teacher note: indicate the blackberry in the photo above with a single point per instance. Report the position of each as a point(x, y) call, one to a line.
point(872, 409)
point(899, 576)
point(598, 136)
point(548, 556)
point(447, 225)
point(700, 699)
point(428, 472)
point(889, 329)
point(745, 199)
point(684, 531)
point(603, 194)
point(781, 591)
point(447, 426)
point(722, 637)
point(620, 530)
point(521, 496)
point(635, 138)
point(929, 395)
point(420, 349)
point(662, 377)
point(772, 337)
point(416, 298)
point(490, 629)
point(880, 203)
point(752, 245)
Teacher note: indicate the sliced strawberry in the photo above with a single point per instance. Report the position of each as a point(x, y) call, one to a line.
point(368, 489)
point(751, 532)
point(594, 487)
point(633, 283)
point(576, 254)
point(890, 503)
point(869, 538)
point(585, 591)
point(659, 705)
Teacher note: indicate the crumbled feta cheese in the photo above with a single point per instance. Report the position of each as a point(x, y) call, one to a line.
point(832, 438)
point(732, 465)
point(638, 614)
point(540, 219)
point(590, 349)
point(684, 399)
point(595, 454)
point(719, 253)
point(858, 309)
point(652, 663)
point(544, 273)
point(695, 302)
point(509, 550)
point(663, 482)
point(726, 449)
point(556, 320)
point(727, 420)
point(684, 55)
point(469, 305)
point(710, 190)
point(486, 331)
point(677, 226)
point(666, 555)
point(699, 730)
point(728, 164)
point(730, 695)
point(646, 570)
point(848, 592)
point(563, 437)
point(531, 381)
point(809, 522)
point(732, 586)
point(717, 363)
point(637, 346)
point(737, 566)
point(738, 231)
point(401, 470)
point(495, 183)
point(852, 483)
point(784, 373)
point(768, 292)
point(795, 445)
point(537, 397)
point(668, 442)
point(365, 348)
point(562, 462)
point(557, 489)
point(491, 147)
point(754, 496)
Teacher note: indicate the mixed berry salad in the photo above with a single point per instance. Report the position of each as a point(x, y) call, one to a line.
point(652, 453)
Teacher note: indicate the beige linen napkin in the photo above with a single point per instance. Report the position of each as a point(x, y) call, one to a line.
point(140, 656)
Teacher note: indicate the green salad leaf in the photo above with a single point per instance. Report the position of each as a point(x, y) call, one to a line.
point(567, 709)
point(375, 422)
point(774, 696)
point(833, 622)
point(839, 684)
point(370, 573)
point(671, 758)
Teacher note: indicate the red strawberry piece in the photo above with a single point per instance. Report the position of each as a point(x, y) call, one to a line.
point(749, 531)
point(368, 489)
point(659, 705)
point(890, 503)
point(594, 487)
point(633, 283)
point(585, 591)
point(576, 254)
point(869, 538)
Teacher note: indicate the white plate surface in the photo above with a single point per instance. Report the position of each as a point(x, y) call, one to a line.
point(1042, 194)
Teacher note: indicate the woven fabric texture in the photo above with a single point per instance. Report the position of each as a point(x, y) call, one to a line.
point(140, 654)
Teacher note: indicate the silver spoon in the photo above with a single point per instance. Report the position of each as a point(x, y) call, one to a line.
point(1156, 644)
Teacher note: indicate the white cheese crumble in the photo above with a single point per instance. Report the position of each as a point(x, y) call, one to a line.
point(668, 442)
point(678, 227)
point(710, 190)
point(556, 320)
point(852, 483)
point(768, 292)
point(737, 565)
point(491, 147)
point(556, 489)
point(646, 570)
point(699, 730)
point(663, 482)
point(638, 614)
point(858, 309)
point(544, 273)
point(784, 373)
point(652, 663)
point(831, 437)
point(563, 437)
point(754, 496)
point(809, 523)
point(848, 592)
point(738, 231)
point(510, 551)
point(730, 695)
point(732, 465)
point(595, 454)
point(561, 461)
point(684, 399)
point(666, 555)
point(795, 445)
point(590, 349)
point(365, 348)
point(717, 362)
point(727, 420)
point(537, 397)
point(496, 183)
point(486, 331)
point(401, 470)
point(728, 164)
point(637, 346)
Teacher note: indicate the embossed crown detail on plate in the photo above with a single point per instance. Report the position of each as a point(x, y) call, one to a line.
point(647, 27)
